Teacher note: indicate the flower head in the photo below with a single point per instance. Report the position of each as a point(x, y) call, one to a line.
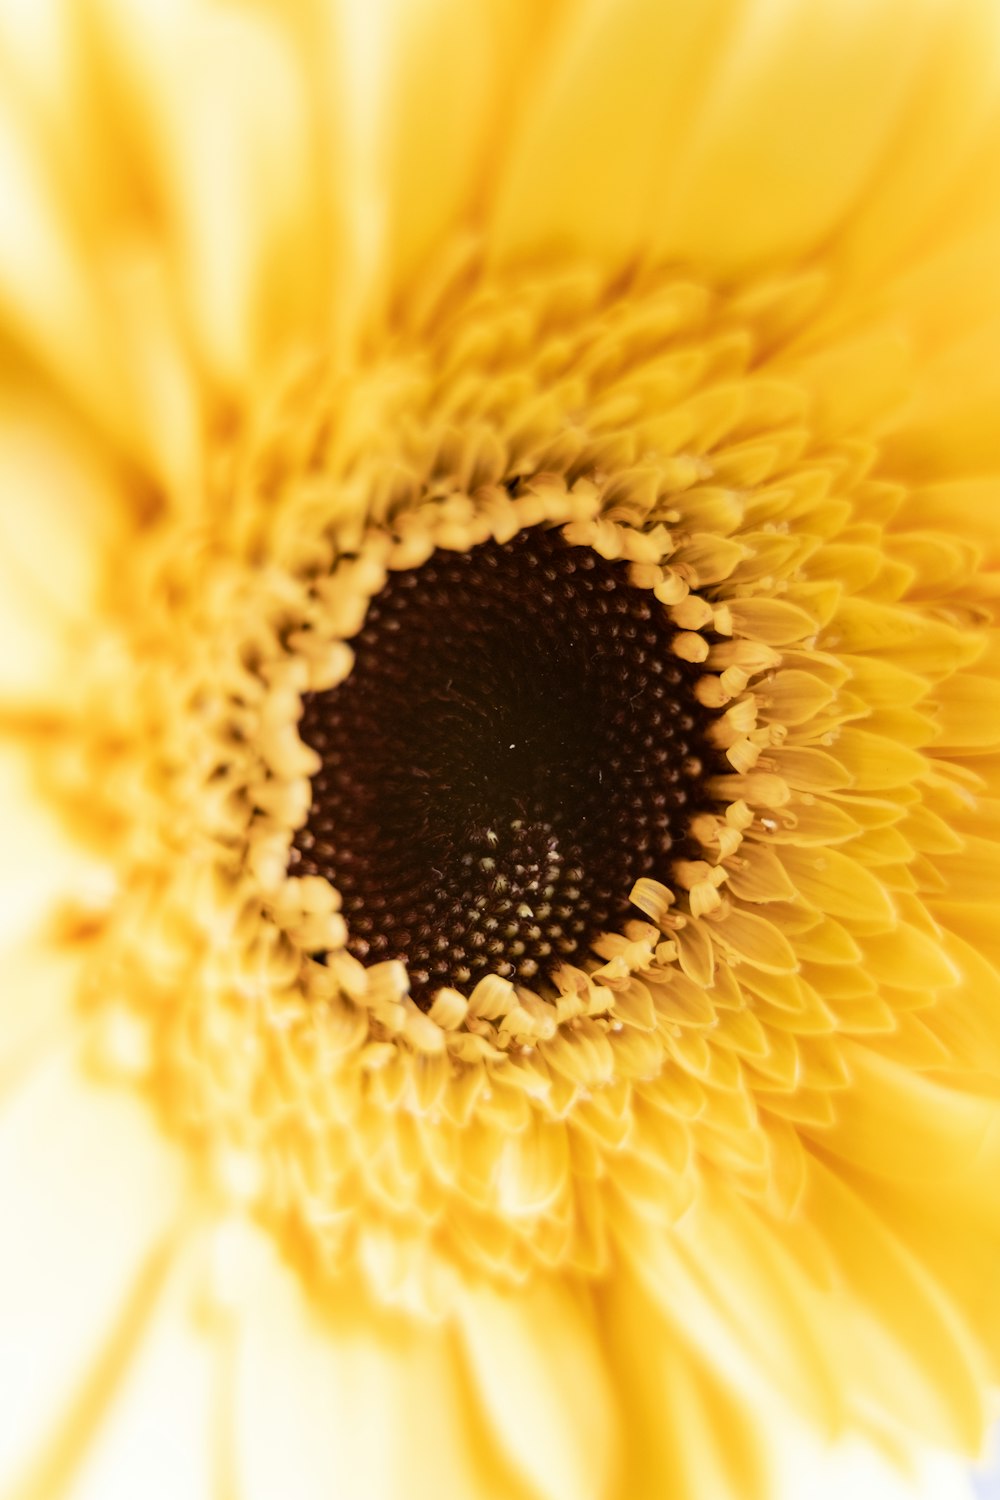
point(501, 697)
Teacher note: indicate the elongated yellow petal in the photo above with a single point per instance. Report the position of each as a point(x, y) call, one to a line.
point(547, 1402)
point(167, 1422)
point(75, 1154)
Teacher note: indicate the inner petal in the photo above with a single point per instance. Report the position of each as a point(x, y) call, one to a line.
point(515, 746)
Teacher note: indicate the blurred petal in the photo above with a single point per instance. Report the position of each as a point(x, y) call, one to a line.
point(690, 1435)
point(655, 120)
point(164, 1429)
point(49, 298)
point(233, 156)
point(38, 985)
point(857, 1468)
point(351, 1402)
point(536, 1367)
point(91, 1194)
point(59, 520)
point(905, 1334)
point(447, 76)
point(40, 865)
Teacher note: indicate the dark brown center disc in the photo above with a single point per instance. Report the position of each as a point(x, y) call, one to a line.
point(515, 746)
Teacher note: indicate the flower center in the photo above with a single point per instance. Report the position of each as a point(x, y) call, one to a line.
point(515, 746)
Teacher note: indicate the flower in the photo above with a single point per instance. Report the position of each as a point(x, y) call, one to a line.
point(501, 714)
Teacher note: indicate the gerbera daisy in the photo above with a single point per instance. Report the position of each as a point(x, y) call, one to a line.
point(500, 705)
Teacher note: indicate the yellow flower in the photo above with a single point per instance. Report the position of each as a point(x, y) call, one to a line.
point(500, 723)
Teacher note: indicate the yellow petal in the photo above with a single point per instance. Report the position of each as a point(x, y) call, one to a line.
point(794, 697)
point(955, 1233)
point(909, 959)
point(950, 428)
point(833, 882)
point(967, 1018)
point(61, 517)
point(50, 299)
point(530, 1168)
point(768, 1337)
point(803, 1465)
point(855, 382)
point(40, 865)
point(349, 1400)
point(443, 80)
point(758, 875)
point(807, 769)
point(604, 123)
point(967, 709)
point(91, 1195)
point(38, 985)
point(894, 1123)
point(218, 102)
point(804, 107)
point(757, 940)
point(950, 121)
point(974, 873)
point(909, 1348)
point(547, 1399)
point(163, 1433)
point(691, 1435)
point(774, 621)
point(699, 103)
point(962, 507)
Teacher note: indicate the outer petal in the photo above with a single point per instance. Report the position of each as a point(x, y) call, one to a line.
point(690, 1434)
point(926, 1158)
point(740, 136)
point(897, 1329)
point(347, 1401)
point(40, 981)
point(163, 1437)
point(91, 1195)
point(729, 134)
point(216, 103)
point(537, 1368)
point(39, 864)
point(60, 517)
point(50, 303)
point(429, 93)
point(856, 1468)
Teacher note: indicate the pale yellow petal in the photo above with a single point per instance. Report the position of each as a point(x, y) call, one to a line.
point(954, 1232)
point(804, 106)
point(804, 1466)
point(737, 1262)
point(50, 300)
point(165, 1433)
point(604, 133)
point(536, 1367)
point(39, 982)
point(948, 124)
point(691, 1435)
point(724, 134)
point(445, 78)
point(41, 866)
point(343, 1398)
point(967, 507)
point(834, 883)
point(217, 101)
point(909, 1350)
point(62, 510)
point(91, 1194)
point(949, 429)
point(895, 1124)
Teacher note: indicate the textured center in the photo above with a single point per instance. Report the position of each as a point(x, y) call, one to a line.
point(515, 746)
